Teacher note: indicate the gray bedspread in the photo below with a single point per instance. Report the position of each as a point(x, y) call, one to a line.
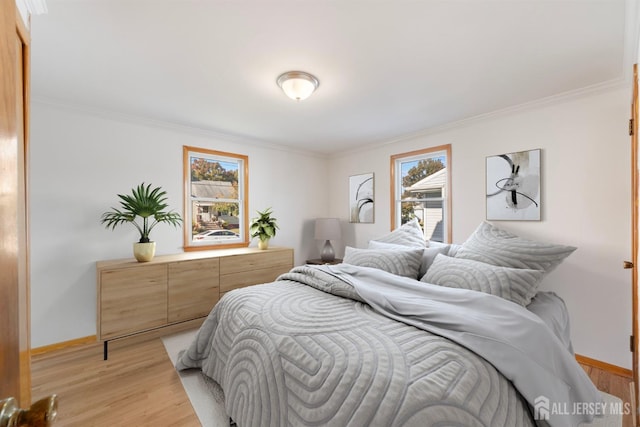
point(553, 311)
point(291, 353)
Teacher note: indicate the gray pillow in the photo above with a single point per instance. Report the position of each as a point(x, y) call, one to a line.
point(492, 245)
point(513, 284)
point(428, 254)
point(408, 234)
point(402, 262)
point(452, 248)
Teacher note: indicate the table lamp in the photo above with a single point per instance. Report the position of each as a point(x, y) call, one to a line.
point(328, 229)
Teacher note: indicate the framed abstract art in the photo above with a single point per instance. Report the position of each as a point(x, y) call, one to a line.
point(361, 198)
point(513, 186)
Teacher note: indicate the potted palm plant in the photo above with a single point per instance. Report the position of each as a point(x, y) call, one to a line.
point(148, 204)
point(263, 227)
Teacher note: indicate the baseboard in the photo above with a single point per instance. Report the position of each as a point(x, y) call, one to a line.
point(123, 341)
point(62, 345)
point(607, 367)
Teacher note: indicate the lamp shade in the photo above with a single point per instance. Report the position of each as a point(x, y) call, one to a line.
point(328, 229)
point(297, 85)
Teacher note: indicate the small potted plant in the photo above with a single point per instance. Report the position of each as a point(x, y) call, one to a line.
point(148, 204)
point(263, 227)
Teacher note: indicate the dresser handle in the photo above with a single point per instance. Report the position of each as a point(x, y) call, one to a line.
point(627, 264)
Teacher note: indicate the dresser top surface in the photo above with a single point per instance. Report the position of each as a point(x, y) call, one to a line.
point(187, 256)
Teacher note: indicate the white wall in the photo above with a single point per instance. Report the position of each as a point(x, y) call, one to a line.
point(79, 162)
point(586, 202)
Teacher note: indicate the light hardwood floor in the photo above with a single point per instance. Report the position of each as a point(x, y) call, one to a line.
point(615, 385)
point(138, 386)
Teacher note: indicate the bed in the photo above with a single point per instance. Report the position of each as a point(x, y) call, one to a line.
point(367, 344)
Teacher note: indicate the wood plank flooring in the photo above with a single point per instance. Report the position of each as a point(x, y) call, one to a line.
point(138, 386)
point(615, 385)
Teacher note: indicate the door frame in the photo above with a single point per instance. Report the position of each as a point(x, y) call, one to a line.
point(633, 131)
point(15, 363)
point(24, 280)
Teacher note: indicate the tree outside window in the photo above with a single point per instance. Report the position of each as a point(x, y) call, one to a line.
point(215, 199)
point(421, 189)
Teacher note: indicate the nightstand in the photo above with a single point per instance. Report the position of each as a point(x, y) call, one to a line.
point(318, 261)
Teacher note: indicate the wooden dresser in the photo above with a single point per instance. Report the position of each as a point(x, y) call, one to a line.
point(136, 297)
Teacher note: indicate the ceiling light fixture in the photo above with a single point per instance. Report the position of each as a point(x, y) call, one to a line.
point(297, 85)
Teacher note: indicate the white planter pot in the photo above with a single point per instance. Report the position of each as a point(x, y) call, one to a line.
point(144, 252)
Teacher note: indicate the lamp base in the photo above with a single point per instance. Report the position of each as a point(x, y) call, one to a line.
point(327, 254)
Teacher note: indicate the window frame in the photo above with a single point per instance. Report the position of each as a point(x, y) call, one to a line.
point(243, 198)
point(396, 183)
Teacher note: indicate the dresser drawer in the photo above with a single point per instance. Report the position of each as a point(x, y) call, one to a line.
point(259, 260)
point(132, 300)
point(193, 288)
point(232, 281)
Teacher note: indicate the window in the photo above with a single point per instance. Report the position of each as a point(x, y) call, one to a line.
point(215, 200)
point(421, 188)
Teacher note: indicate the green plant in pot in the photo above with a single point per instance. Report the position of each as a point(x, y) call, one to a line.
point(263, 227)
point(148, 204)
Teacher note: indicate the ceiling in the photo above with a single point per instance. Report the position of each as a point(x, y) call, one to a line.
point(387, 68)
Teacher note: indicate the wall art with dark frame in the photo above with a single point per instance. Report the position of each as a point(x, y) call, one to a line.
point(513, 186)
point(361, 198)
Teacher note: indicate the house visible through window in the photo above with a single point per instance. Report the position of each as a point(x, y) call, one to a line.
point(421, 188)
point(215, 199)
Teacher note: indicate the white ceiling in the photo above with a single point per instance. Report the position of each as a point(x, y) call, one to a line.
point(387, 68)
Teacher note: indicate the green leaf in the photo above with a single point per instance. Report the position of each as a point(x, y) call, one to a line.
point(143, 202)
point(264, 226)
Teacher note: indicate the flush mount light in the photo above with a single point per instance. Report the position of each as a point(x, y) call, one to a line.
point(297, 85)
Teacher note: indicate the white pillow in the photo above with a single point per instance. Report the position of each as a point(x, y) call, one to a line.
point(513, 284)
point(428, 254)
point(408, 234)
point(402, 262)
point(492, 245)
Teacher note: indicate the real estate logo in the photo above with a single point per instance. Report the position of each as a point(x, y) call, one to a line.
point(541, 408)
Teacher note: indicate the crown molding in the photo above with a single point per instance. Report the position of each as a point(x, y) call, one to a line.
point(556, 99)
point(169, 125)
